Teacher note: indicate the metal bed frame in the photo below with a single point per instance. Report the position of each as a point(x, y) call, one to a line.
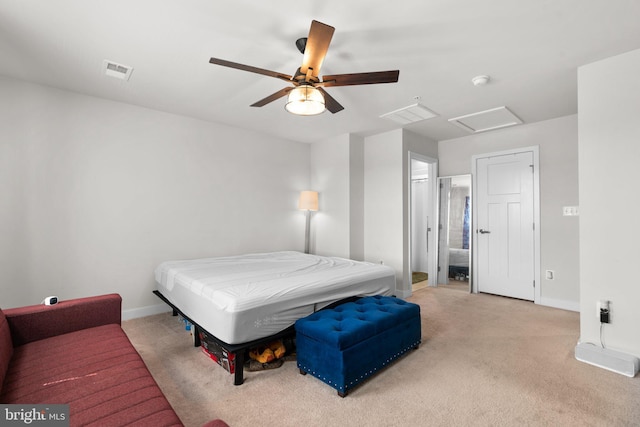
point(239, 350)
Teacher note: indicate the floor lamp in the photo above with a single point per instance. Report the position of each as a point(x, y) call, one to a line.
point(308, 202)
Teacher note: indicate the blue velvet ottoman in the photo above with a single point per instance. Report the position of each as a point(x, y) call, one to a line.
point(347, 344)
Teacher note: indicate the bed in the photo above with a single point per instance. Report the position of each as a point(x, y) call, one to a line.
point(249, 299)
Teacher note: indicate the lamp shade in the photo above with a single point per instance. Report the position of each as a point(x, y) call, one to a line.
point(305, 100)
point(308, 201)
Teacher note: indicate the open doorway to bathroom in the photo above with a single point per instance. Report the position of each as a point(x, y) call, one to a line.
point(454, 232)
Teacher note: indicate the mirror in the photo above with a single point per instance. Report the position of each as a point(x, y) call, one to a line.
point(454, 231)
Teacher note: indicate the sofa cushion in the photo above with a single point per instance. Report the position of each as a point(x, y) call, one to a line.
point(6, 347)
point(96, 371)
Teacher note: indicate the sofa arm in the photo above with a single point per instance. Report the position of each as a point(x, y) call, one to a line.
point(36, 322)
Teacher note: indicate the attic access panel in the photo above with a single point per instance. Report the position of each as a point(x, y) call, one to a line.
point(411, 114)
point(483, 121)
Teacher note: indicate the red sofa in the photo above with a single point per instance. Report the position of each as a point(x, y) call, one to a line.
point(76, 353)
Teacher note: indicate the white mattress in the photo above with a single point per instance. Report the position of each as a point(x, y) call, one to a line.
point(242, 298)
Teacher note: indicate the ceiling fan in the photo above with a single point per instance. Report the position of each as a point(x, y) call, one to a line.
point(307, 95)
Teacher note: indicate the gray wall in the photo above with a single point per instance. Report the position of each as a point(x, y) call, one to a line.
point(330, 178)
point(608, 106)
point(337, 173)
point(94, 194)
point(558, 143)
point(356, 199)
point(365, 192)
point(383, 212)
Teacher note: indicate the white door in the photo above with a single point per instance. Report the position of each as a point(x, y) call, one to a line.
point(505, 225)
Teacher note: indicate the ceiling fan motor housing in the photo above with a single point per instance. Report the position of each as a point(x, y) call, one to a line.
point(301, 44)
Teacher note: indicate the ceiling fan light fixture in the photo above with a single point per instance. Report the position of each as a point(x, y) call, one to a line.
point(305, 100)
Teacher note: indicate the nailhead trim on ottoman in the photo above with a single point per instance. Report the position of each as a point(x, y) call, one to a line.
point(349, 343)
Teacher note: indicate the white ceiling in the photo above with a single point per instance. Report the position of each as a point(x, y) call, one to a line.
point(531, 50)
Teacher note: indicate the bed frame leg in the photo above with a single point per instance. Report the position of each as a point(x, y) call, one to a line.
point(196, 336)
point(239, 374)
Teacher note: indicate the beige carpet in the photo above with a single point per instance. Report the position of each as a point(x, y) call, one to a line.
point(484, 360)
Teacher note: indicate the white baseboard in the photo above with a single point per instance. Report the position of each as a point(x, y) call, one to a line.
point(403, 293)
point(135, 313)
point(562, 304)
point(608, 359)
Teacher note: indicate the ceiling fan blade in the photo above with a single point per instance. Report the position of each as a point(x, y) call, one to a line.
point(279, 94)
point(361, 78)
point(250, 69)
point(316, 49)
point(330, 103)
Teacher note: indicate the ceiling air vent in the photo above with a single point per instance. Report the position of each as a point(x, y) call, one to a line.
point(483, 121)
point(119, 71)
point(411, 114)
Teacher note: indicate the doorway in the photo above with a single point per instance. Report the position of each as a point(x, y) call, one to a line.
point(422, 254)
point(454, 232)
point(506, 237)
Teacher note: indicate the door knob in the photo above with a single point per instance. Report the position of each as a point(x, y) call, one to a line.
point(482, 231)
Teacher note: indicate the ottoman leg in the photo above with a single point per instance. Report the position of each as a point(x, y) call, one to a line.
point(342, 393)
point(302, 372)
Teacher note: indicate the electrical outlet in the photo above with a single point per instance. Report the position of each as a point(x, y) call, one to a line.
point(570, 211)
point(549, 274)
point(604, 311)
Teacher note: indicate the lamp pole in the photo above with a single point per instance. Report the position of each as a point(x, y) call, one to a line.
point(307, 231)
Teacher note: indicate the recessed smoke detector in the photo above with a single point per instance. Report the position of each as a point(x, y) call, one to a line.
point(480, 80)
point(483, 121)
point(118, 71)
point(410, 114)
